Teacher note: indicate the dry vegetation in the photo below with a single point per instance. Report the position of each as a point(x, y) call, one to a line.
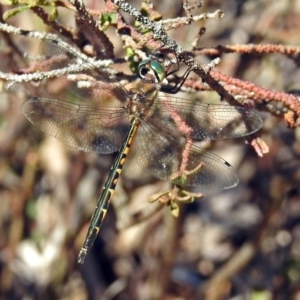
point(240, 243)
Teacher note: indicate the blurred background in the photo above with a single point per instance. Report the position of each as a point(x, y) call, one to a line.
point(240, 243)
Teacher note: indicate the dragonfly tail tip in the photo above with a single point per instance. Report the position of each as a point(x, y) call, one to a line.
point(81, 256)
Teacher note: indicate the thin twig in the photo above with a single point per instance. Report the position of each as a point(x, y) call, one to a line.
point(84, 15)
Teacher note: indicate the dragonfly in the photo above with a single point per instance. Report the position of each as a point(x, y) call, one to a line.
point(106, 117)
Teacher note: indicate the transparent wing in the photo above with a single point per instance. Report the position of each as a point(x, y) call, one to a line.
point(205, 121)
point(84, 127)
point(178, 160)
point(86, 84)
point(171, 126)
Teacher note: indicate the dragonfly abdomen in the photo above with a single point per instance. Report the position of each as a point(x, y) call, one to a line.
point(107, 192)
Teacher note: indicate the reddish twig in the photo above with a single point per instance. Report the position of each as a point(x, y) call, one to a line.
point(249, 49)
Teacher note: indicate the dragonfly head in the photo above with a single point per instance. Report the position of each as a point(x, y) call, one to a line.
point(151, 70)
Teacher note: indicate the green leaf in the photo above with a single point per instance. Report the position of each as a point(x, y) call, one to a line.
point(174, 209)
point(107, 19)
point(54, 14)
point(132, 63)
point(260, 295)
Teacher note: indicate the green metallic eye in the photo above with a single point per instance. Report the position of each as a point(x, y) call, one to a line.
point(152, 68)
point(158, 70)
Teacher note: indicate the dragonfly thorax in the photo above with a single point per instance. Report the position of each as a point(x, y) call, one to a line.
point(139, 103)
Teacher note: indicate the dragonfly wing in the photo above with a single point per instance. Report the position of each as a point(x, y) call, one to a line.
point(207, 121)
point(86, 84)
point(178, 160)
point(82, 127)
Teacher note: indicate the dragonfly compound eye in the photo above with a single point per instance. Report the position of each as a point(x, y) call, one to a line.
point(151, 70)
